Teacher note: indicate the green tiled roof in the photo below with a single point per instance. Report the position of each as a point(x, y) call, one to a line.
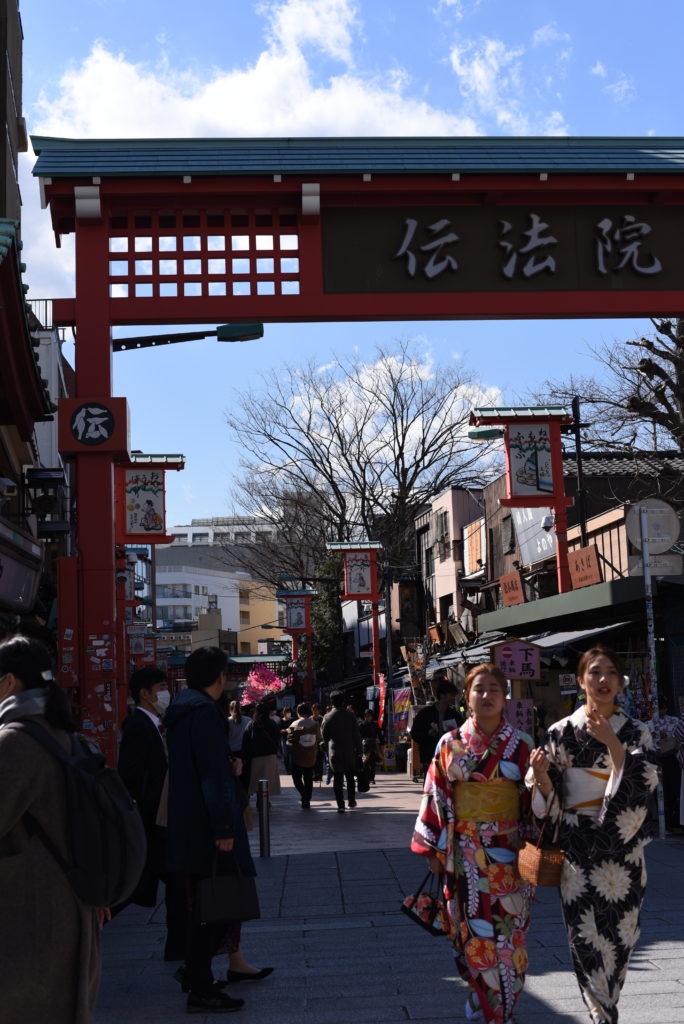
point(68, 158)
point(523, 412)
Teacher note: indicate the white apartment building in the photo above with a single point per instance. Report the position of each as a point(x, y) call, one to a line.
point(221, 530)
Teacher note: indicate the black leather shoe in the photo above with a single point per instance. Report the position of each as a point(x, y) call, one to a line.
point(213, 1002)
point(181, 976)
point(244, 976)
point(352, 803)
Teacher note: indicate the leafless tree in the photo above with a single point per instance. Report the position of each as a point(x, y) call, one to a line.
point(351, 450)
point(636, 401)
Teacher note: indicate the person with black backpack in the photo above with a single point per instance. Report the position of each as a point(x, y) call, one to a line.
point(49, 936)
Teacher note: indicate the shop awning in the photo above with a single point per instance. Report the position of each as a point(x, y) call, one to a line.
point(565, 638)
point(572, 636)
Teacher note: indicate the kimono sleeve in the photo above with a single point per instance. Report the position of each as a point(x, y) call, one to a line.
point(625, 815)
point(436, 808)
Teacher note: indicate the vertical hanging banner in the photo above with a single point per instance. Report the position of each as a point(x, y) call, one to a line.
point(360, 575)
point(528, 451)
point(383, 698)
point(402, 703)
point(140, 496)
point(297, 609)
point(144, 511)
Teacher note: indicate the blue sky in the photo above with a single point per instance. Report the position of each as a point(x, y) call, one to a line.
point(117, 68)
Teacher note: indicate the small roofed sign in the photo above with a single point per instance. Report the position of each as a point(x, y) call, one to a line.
point(512, 591)
point(517, 659)
point(584, 565)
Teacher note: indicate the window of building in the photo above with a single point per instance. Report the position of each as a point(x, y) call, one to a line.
point(243, 538)
point(170, 590)
point(175, 612)
point(244, 617)
point(204, 591)
point(180, 538)
point(196, 588)
point(429, 562)
point(244, 597)
point(200, 538)
point(244, 648)
point(507, 535)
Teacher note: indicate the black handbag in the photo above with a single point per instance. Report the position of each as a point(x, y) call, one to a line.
point(231, 897)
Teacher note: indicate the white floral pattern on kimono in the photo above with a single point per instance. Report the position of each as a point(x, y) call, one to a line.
point(604, 827)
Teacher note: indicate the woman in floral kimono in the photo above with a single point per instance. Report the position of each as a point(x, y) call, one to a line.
point(469, 828)
point(601, 764)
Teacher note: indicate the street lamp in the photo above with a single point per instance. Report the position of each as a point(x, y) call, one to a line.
point(225, 332)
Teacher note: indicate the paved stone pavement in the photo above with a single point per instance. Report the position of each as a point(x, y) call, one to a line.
point(330, 894)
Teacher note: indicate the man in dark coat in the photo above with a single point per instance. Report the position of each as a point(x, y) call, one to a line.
point(143, 767)
point(341, 734)
point(434, 720)
point(206, 829)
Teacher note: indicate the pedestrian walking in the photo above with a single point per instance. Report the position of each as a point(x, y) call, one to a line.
point(206, 830)
point(432, 721)
point(470, 828)
point(371, 739)
point(49, 938)
point(260, 750)
point(302, 738)
point(143, 765)
point(343, 743)
point(601, 765)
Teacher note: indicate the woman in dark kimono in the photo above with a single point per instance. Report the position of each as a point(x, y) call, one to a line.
point(469, 828)
point(601, 764)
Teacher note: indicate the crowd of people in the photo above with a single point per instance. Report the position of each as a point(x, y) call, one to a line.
point(192, 764)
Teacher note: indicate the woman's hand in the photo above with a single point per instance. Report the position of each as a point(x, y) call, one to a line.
point(539, 763)
point(103, 914)
point(435, 865)
point(226, 845)
point(600, 728)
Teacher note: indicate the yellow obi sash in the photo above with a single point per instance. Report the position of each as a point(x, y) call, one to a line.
point(496, 800)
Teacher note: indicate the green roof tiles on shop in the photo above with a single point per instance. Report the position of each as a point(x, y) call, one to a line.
point(68, 158)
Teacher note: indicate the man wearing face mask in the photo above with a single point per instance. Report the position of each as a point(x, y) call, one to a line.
point(143, 765)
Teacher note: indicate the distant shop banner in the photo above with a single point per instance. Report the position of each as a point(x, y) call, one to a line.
point(401, 703)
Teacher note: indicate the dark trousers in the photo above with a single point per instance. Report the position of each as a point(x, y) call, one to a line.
point(338, 787)
point(203, 943)
point(302, 779)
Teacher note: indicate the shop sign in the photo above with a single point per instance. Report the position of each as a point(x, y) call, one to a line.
point(567, 682)
point(535, 543)
point(584, 566)
point(660, 565)
point(512, 591)
point(520, 714)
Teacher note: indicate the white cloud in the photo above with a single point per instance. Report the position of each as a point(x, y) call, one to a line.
point(548, 34)
point(621, 90)
point(599, 69)
point(326, 24)
point(492, 76)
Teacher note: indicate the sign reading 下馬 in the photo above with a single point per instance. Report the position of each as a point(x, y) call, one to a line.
point(584, 565)
point(491, 249)
point(517, 659)
point(512, 591)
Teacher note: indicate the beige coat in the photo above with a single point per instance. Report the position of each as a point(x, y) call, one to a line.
point(49, 940)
